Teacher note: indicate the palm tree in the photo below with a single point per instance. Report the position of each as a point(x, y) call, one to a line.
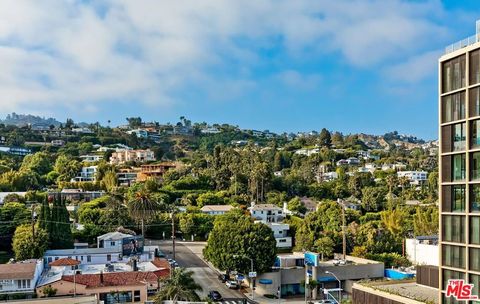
point(179, 286)
point(143, 207)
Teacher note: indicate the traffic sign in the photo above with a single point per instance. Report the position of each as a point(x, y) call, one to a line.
point(252, 274)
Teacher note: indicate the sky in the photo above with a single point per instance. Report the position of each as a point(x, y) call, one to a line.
point(365, 66)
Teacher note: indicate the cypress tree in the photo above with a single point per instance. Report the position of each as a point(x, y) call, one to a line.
point(44, 215)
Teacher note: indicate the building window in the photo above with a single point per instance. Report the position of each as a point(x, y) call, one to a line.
point(458, 167)
point(474, 101)
point(453, 198)
point(453, 107)
point(453, 256)
point(475, 230)
point(453, 228)
point(475, 163)
point(475, 198)
point(475, 67)
point(89, 258)
point(475, 280)
point(475, 132)
point(453, 74)
point(136, 296)
point(459, 136)
point(109, 257)
point(474, 259)
point(112, 244)
point(451, 275)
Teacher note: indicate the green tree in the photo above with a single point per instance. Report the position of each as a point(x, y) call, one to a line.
point(110, 181)
point(325, 138)
point(179, 286)
point(235, 238)
point(44, 215)
point(59, 230)
point(296, 205)
point(143, 206)
point(39, 163)
point(425, 221)
point(12, 215)
point(324, 246)
point(26, 246)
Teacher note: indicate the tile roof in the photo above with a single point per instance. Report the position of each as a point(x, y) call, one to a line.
point(64, 262)
point(161, 263)
point(117, 278)
point(20, 270)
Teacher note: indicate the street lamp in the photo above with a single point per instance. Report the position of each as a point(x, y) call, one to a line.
point(251, 270)
point(339, 285)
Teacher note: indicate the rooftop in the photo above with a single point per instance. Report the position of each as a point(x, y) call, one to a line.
point(64, 262)
point(19, 270)
point(113, 236)
point(116, 279)
point(265, 207)
point(465, 42)
point(405, 289)
point(224, 208)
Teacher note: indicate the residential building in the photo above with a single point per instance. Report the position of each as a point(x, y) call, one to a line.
point(272, 216)
point(216, 209)
point(77, 195)
point(123, 156)
point(155, 170)
point(82, 130)
point(140, 133)
point(20, 277)
point(267, 213)
point(16, 151)
point(423, 289)
point(422, 250)
point(307, 152)
point(415, 177)
point(87, 174)
point(210, 130)
point(291, 270)
point(91, 158)
point(111, 248)
point(115, 147)
point(280, 232)
point(127, 177)
point(110, 283)
point(58, 143)
point(459, 167)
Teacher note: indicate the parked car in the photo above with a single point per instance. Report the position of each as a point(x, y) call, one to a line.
point(324, 302)
point(214, 295)
point(232, 284)
point(223, 278)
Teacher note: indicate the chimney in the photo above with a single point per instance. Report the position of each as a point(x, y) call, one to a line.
point(135, 267)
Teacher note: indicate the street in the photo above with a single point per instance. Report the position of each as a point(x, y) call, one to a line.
point(189, 255)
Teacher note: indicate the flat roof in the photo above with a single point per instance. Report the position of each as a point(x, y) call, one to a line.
point(410, 290)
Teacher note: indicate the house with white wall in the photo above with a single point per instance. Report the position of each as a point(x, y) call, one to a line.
point(20, 277)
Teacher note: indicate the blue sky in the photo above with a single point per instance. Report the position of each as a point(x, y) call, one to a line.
point(350, 66)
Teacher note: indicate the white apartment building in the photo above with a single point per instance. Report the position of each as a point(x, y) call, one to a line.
point(88, 174)
point(272, 216)
point(280, 232)
point(415, 177)
point(120, 157)
point(91, 158)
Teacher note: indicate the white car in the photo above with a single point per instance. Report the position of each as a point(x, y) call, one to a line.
point(231, 284)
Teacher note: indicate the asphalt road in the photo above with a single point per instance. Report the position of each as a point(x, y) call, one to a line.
point(189, 255)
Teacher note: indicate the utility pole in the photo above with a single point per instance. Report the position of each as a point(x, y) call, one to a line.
point(344, 237)
point(173, 233)
point(33, 220)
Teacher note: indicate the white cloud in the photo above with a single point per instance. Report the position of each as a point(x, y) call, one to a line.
point(56, 52)
point(414, 69)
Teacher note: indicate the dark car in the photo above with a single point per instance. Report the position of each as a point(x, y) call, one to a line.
point(223, 278)
point(214, 295)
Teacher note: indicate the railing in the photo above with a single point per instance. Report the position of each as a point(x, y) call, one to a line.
point(461, 44)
